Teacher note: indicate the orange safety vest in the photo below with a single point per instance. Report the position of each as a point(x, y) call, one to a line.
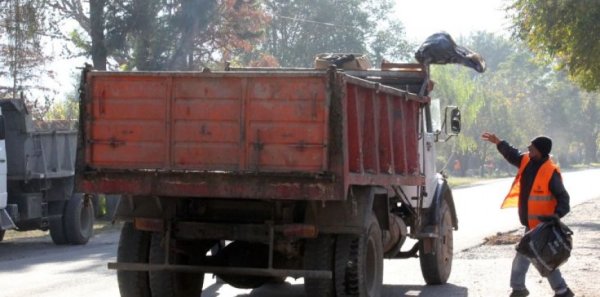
point(541, 202)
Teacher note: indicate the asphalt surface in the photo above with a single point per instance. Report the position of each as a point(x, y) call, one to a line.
point(36, 267)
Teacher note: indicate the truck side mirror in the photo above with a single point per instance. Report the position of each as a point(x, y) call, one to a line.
point(452, 120)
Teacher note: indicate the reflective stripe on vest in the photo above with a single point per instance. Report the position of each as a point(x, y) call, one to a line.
point(541, 202)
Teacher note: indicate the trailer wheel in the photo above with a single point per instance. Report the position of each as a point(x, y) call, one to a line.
point(318, 255)
point(435, 254)
point(79, 219)
point(171, 284)
point(57, 226)
point(134, 247)
point(359, 262)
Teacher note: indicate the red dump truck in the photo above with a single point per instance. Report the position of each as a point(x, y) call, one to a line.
point(257, 174)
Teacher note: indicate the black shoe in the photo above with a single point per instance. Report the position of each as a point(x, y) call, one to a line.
point(520, 293)
point(568, 293)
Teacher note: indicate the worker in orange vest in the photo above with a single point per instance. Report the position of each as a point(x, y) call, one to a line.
point(540, 194)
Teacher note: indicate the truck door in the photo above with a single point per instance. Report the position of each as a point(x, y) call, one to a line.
point(3, 193)
point(427, 148)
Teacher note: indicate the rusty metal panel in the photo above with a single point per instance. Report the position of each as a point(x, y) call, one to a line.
point(240, 135)
point(277, 186)
point(209, 122)
point(382, 134)
point(128, 122)
point(286, 120)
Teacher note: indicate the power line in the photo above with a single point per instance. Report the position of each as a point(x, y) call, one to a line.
point(311, 22)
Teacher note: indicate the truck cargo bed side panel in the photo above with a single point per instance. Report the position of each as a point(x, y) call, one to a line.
point(382, 136)
point(209, 122)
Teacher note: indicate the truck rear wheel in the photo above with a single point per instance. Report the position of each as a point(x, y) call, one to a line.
point(134, 247)
point(57, 226)
point(318, 255)
point(359, 262)
point(79, 219)
point(436, 258)
point(171, 284)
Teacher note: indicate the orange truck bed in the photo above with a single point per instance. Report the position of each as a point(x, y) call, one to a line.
point(303, 134)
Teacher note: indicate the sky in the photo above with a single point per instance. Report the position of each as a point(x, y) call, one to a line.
point(422, 18)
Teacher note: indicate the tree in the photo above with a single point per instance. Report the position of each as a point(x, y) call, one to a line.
point(165, 35)
point(389, 43)
point(565, 31)
point(26, 29)
point(97, 20)
point(298, 31)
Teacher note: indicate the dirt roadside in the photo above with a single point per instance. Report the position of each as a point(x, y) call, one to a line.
point(485, 270)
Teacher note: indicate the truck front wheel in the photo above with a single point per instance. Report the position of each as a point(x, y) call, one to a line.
point(435, 254)
point(359, 262)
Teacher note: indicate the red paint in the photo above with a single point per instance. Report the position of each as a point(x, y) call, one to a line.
point(245, 135)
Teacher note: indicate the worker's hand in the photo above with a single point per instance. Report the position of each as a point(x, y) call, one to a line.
point(491, 137)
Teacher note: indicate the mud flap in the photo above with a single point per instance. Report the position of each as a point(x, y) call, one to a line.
point(5, 221)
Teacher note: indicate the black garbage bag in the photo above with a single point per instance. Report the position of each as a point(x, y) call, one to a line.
point(440, 48)
point(547, 246)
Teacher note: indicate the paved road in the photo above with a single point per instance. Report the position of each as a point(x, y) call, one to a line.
point(36, 267)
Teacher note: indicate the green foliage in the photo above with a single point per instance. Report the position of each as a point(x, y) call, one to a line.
point(518, 99)
point(298, 31)
point(566, 31)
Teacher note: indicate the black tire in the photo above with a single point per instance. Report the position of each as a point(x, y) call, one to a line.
point(318, 255)
point(437, 265)
point(134, 247)
point(79, 219)
point(2, 232)
point(171, 284)
point(244, 254)
point(359, 262)
point(57, 226)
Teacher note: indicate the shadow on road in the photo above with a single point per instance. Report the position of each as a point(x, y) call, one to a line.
point(447, 290)
point(21, 254)
point(297, 290)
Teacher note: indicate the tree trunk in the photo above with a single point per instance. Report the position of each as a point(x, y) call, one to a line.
point(591, 149)
point(97, 32)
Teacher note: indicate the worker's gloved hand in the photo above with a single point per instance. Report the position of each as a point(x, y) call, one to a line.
point(547, 219)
